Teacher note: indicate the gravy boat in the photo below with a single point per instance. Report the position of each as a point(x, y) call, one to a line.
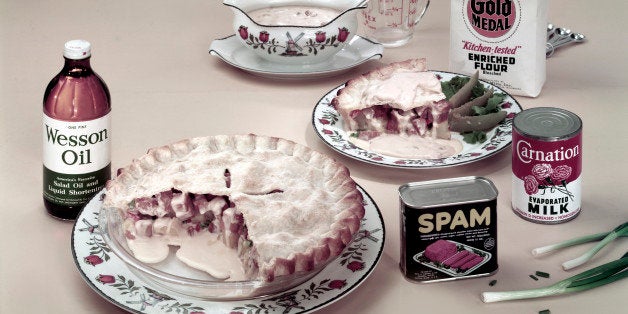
point(296, 44)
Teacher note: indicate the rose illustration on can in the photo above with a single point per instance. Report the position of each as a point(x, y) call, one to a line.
point(553, 179)
point(531, 185)
point(542, 171)
point(561, 173)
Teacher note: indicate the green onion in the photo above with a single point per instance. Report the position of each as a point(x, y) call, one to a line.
point(605, 237)
point(592, 278)
point(553, 247)
point(534, 277)
point(542, 274)
point(620, 231)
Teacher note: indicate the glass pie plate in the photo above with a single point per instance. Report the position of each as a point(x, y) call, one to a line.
point(174, 275)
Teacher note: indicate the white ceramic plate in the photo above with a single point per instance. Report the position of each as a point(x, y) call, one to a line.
point(328, 123)
point(109, 276)
point(356, 52)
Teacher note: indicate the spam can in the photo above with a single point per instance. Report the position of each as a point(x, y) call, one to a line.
point(448, 229)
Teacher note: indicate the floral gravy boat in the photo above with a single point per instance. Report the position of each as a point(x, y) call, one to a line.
point(295, 44)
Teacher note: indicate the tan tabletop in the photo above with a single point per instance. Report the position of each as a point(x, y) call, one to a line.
point(165, 87)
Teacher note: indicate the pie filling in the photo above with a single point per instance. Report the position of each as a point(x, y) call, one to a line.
point(174, 217)
point(425, 121)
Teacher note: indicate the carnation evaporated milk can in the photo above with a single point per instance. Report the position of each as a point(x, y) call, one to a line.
point(546, 165)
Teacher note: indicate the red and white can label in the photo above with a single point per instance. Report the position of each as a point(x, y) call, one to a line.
point(546, 181)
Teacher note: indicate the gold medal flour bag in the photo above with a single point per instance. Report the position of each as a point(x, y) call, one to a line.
point(503, 39)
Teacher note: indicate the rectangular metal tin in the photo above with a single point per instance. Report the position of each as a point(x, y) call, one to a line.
point(462, 211)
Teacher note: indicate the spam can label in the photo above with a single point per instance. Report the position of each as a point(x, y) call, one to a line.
point(448, 229)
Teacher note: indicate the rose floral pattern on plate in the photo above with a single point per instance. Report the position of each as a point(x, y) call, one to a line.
point(106, 274)
point(328, 124)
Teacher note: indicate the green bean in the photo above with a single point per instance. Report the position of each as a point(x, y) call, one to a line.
point(462, 124)
point(464, 93)
point(467, 108)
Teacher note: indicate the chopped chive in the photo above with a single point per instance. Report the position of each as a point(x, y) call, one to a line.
point(542, 274)
point(534, 277)
point(492, 283)
point(545, 312)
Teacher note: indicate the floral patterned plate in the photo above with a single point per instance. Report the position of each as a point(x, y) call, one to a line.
point(109, 276)
point(327, 123)
point(356, 52)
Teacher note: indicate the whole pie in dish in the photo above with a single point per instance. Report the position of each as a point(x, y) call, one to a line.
point(400, 98)
point(280, 206)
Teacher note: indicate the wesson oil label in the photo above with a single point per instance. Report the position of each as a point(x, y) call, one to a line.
point(76, 158)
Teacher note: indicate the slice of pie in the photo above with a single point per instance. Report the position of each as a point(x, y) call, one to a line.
point(283, 207)
point(400, 98)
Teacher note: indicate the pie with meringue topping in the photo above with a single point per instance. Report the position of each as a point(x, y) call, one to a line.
point(284, 207)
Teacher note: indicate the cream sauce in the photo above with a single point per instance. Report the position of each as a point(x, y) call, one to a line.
point(294, 15)
point(203, 251)
point(149, 250)
point(406, 90)
point(412, 146)
point(206, 252)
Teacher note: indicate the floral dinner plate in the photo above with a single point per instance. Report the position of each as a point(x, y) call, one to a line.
point(358, 51)
point(109, 276)
point(328, 123)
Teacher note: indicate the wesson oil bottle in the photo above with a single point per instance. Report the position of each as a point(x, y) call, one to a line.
point(76, 134)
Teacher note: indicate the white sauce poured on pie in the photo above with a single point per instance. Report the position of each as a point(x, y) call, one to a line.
point(294, 15)
point(203, 251)
point(410, 146)
point(206, 252)
point(406, 90)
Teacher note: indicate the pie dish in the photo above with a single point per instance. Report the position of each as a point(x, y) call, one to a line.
point(400, 98)
point(110, 270)
point(285, 208)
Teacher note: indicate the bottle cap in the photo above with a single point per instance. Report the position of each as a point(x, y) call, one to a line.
point(77, 49)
